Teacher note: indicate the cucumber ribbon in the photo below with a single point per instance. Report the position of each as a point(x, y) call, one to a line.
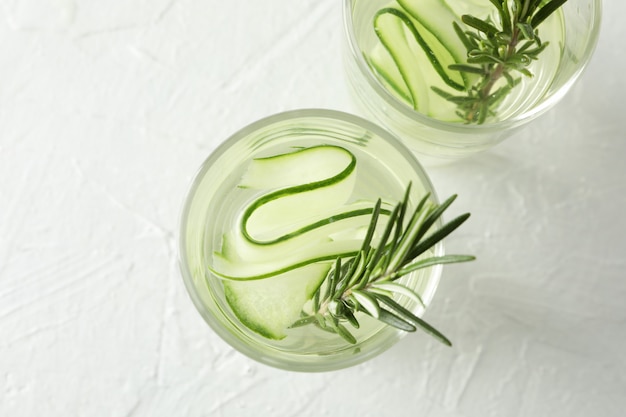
point(302, 216)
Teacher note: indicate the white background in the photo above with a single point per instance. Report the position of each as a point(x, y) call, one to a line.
point(107, 108)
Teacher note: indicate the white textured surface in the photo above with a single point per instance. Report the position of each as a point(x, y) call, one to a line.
point(108, 107)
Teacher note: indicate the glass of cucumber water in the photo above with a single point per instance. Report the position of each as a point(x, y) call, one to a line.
point(452, 78)
point(267, 216)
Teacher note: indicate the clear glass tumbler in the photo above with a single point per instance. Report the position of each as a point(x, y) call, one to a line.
point(216, 200)
point(572, 35)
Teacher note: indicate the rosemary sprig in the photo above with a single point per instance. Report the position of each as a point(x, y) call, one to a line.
point(368, 281)
point(498, 50)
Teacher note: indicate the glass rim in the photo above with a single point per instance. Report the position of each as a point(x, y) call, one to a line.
point(501, 125)
point(382, 340)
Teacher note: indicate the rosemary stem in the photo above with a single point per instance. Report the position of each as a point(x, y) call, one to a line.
point(493, 77)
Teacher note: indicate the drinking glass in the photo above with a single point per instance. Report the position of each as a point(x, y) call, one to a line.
point(576, 27)
point(215, 202)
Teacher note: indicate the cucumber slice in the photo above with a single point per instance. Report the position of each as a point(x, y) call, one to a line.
point(382, 63)
point(241, 260)
point(389, 25)
point(270, 306)
point(439, 107)
point(438, 18)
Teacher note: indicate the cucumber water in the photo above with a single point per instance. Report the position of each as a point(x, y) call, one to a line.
point(409, 45)
point(269, 215)
point(297, 217)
